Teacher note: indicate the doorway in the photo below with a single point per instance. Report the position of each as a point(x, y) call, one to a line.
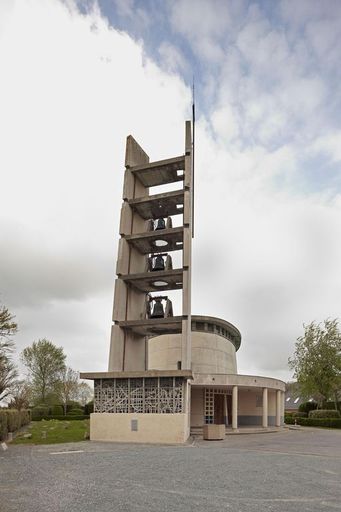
point(229, 409)
point(219, 409)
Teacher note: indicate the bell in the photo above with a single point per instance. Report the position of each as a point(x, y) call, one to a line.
point(160, 224)
point(159, 264)
point(158, 309)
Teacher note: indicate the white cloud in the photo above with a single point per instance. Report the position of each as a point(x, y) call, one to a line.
point(266, 252)
point(71, 90)
point(225, 123)
point(329, 145)
point(172, 59)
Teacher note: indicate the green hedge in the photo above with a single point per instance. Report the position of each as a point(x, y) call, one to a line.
point(299, 414)
point(39, 411)
point(76, 412)
point(324, 413)
point(307, 407)
point(11, 420)
point(314, 422)
point(331, 405)
point(73, 405)
point(3, 425)
point(89, 407)
point(42, 410)
point(56, 410)
point(64, 418)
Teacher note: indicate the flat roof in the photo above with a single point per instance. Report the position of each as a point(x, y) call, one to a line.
point(129, 374)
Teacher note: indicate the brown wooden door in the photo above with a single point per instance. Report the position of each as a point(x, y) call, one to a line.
point(219, 409)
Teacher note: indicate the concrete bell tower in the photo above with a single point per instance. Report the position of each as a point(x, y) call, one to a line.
point(133, 403)
point(144, 263)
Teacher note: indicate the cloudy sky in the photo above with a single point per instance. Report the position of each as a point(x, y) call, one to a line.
point(77, 77)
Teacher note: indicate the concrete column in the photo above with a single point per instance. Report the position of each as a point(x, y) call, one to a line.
point(235, 407)
point(265, 407)
point(278, 407)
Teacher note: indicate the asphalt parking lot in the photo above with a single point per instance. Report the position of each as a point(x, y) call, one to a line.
point(285, 471)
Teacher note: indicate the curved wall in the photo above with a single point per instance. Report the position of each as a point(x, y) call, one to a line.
point(211, 353)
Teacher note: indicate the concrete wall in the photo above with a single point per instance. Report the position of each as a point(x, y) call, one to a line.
point(211, 353)
point(250, 407)
point(151, 428)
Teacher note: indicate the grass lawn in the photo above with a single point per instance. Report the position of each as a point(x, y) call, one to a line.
point(54, 431)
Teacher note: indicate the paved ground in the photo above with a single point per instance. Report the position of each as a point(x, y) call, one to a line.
point(287, 471)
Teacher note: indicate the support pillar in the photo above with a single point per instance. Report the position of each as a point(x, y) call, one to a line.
point(278, 407)
point(235, 407)
point(265, 408)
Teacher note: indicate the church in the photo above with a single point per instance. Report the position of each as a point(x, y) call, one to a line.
point(170, 375)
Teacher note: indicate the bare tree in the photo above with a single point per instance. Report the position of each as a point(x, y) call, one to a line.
point(67, 386)
point(20, 393)
point(8, 371)
point(84, 393)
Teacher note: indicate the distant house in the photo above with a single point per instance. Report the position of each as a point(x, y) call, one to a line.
point(293, 397)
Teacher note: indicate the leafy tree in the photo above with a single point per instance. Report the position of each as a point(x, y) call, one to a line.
point(45, 362)
point(67, 386)
point(8, 371)
point(317, 360)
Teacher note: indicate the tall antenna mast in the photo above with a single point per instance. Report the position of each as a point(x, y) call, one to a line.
point(193, 146)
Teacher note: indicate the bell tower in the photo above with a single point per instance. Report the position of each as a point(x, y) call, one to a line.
point(145, 274)
point(131, 402)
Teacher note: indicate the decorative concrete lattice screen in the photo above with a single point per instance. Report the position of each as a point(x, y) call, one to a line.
point(140, 395)
point(209, 402)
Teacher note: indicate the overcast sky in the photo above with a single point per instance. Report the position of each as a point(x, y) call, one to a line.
point(77, 77)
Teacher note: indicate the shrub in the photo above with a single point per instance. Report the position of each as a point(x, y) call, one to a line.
point(324, 413)
point(40, 411)
point(65, 418)
point(75, 412)
point(299, 414)
point(25, 417)
point(3, 425)
point(13, 420)
point(89, 407)
point(331, 405)
point(314, 422)
point(307, 407)
point(73, 405)
point(318, 422)
point(57, 410)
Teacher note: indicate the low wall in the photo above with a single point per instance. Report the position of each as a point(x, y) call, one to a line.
point(139, 428)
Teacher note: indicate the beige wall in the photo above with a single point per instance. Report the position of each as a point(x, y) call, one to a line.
point(247, 402)
point(152, 428)
point(211, 353)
